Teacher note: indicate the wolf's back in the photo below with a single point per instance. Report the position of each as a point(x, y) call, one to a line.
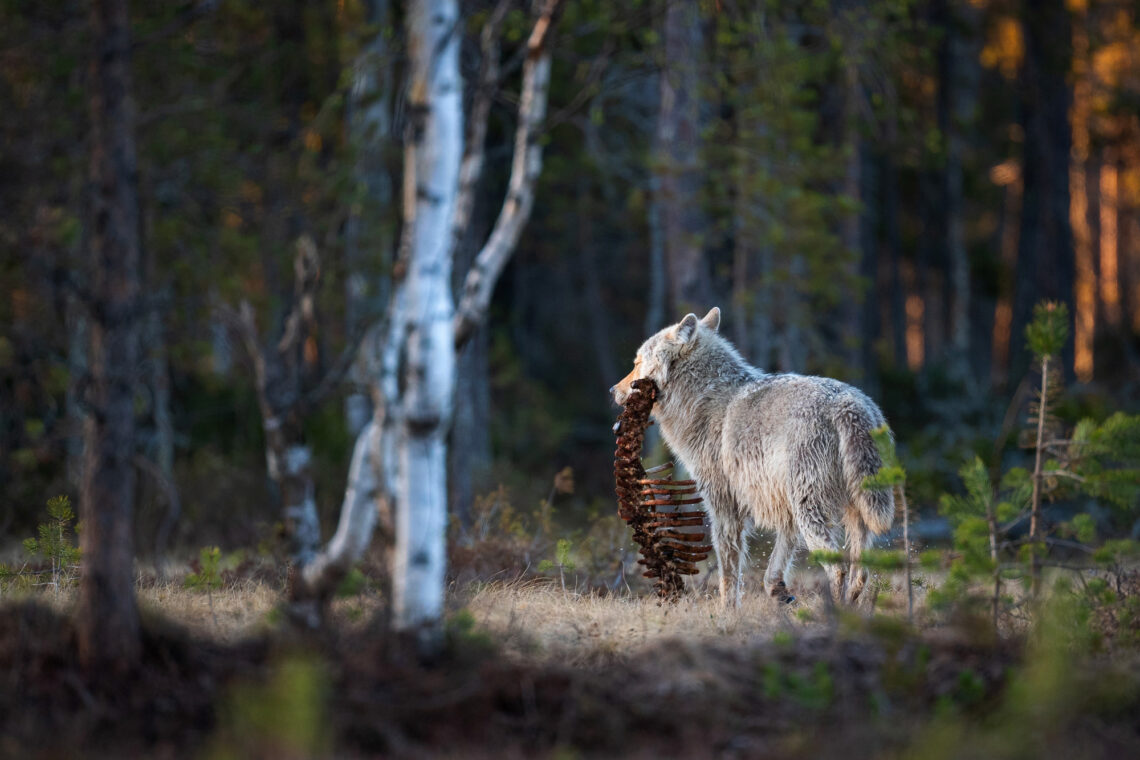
point(855, 418)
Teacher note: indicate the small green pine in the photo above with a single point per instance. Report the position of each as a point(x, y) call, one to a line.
point(1049, 330)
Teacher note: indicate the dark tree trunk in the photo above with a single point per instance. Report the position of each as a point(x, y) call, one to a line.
point(853, 331)
point(107, 614)
point(869, 271)
point(470, 450)
point(959, 76)
point(678, 163)
point(1045, 268)
point(930, 267)
point(894, 256)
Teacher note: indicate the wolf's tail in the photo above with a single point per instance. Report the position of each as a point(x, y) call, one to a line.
point(854, 420)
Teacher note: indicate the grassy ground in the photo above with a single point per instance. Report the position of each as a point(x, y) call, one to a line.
point(538, 620)
point(535, 670)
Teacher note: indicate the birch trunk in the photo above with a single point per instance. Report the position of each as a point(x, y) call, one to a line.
point(353, 532)
point(433, 149)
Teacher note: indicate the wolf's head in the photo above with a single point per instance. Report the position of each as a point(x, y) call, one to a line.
point(658, 354)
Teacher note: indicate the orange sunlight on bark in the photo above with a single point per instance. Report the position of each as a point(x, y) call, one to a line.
point(1109, 283)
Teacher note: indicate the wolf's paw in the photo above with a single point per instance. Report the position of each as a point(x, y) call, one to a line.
point(779, 592)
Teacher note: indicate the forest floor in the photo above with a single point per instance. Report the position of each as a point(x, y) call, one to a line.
point(535, 670)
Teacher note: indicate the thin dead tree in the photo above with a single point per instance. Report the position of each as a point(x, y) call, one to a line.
point(288, 387)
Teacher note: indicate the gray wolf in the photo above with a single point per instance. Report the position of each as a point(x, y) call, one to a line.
point(783, 452)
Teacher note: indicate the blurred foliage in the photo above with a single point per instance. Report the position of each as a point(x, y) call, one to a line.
point(283, 717)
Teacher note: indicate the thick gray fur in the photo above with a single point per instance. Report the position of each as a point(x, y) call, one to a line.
point(783, 452)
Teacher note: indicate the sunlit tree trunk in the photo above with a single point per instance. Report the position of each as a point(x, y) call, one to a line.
point(108, 623)
point(1085, 284)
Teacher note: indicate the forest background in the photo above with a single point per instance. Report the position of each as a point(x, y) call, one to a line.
point(879, 192)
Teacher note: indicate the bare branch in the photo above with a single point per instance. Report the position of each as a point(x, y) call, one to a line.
point(525, 168)
point(474, 151)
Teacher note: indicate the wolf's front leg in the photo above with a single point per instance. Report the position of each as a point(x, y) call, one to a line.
point(728, 537)
point(775, 580)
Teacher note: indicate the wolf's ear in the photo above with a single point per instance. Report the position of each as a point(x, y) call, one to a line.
point(712, 319)
point(687, 328)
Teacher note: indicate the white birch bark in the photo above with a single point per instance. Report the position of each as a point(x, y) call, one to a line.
point(357, 516)
point(433, 153)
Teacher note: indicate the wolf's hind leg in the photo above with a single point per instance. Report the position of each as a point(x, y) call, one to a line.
point(856, 541)
point(774, 578)
point(820, 536)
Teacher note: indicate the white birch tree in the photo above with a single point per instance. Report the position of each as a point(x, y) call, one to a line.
point(402, 453)
point(433, 147)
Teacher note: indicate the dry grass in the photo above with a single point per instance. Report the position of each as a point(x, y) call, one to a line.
point(236, 611)
point(540, 620)
point(537, 619)
point(531, 619)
